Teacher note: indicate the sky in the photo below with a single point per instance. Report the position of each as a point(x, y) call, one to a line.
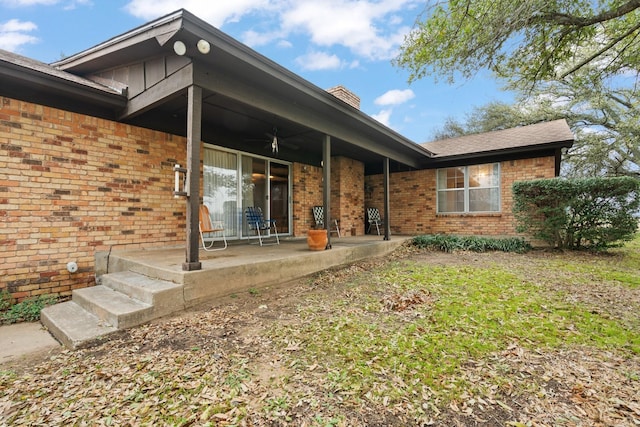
point(327, 42)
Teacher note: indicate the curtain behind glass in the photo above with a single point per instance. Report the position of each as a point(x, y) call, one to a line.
point(221, 188)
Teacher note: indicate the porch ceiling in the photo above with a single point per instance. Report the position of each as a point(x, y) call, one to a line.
point(232, 124)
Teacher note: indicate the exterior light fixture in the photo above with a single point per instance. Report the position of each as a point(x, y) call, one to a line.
point(203, 46)
point(179, 48)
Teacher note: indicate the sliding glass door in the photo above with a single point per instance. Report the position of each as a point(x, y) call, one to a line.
point(234, 181)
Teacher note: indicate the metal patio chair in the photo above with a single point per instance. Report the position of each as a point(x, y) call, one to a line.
point(373, 216)
point(257, 223)
point(318, 216)
point(208, 227)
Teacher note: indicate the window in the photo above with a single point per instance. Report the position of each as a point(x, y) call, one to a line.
point(469, 189)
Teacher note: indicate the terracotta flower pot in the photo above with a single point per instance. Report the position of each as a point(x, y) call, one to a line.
point(317, 240)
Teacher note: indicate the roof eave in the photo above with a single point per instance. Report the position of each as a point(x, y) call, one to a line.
point(161, 29)
point(106, 97)
point(531, 149)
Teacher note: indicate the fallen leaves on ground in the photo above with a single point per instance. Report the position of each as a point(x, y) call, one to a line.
point(218, 366)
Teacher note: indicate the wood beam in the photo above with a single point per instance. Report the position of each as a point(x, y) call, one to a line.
point(167, 88)
point(326, 186)
point(387, 204)
point(194, 129)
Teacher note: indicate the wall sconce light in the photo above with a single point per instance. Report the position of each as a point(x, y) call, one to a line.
point(203, 46)
point(179, 48)
point(180, 174)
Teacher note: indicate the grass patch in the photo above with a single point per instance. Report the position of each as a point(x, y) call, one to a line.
point(372, 353)
point(619, 266)
point(419, 338)
point(599, 269)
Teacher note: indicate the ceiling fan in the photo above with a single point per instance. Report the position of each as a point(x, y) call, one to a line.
point(274, 141)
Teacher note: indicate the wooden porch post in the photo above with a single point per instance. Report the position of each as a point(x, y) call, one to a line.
point(194, 135)
point(326, 186)
point(387, 226)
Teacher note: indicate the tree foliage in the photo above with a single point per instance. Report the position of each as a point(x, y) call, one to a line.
point(594, 213)
point(572, 59)
point(530, 40)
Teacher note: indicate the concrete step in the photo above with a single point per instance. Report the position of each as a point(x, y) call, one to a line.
point(165, 297)
point(72, 325)
point(112, 307)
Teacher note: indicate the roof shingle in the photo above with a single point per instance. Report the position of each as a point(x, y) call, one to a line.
point(536, 135)
point(46, 69)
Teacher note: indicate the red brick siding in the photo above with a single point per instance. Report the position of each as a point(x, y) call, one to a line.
point(413, 201)
point(347, 194)
point(71, 185)
point(307, 192)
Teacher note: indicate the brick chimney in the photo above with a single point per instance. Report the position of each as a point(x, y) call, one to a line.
point(345, 95)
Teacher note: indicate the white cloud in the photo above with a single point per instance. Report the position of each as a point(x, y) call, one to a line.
point(13, 34)
point(15, 25)
point(25, 3)
point(384, 116)
point(254, 38)
point(67, 4)
point(369, 29)
point(395, 97)
point(214, 13)
point(314, 61)
point(73, 4)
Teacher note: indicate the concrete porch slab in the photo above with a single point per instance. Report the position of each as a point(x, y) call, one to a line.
point(243, 266)
point(141, 285)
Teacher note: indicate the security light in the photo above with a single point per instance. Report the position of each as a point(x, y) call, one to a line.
point(203, 47)
point(179, 48)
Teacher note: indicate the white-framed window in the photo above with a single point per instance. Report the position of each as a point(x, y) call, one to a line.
point(465, 189)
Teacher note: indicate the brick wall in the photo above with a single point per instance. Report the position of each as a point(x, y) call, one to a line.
point(307, 192)
point(413, 201)
point(71, 185)
point(344, 94)
point(347, 195)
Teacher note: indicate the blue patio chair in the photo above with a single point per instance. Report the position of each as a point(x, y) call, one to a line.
point(318, 216)
point(258, 224)
point(373, 216)
point(209, 228)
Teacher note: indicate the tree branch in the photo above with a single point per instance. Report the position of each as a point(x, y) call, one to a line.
point(578, 21)
point(601, 51)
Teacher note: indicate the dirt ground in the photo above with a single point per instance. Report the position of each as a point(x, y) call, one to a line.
point(216, 365)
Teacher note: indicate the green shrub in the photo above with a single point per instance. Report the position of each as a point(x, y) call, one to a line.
point(27, 310)
point(448, 243)
point(594, 213)
point(5, 300)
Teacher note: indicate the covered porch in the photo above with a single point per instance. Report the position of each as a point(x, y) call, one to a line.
point(137, 286)
point(243, 117)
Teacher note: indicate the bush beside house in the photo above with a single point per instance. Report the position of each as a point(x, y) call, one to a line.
point(594, 213)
